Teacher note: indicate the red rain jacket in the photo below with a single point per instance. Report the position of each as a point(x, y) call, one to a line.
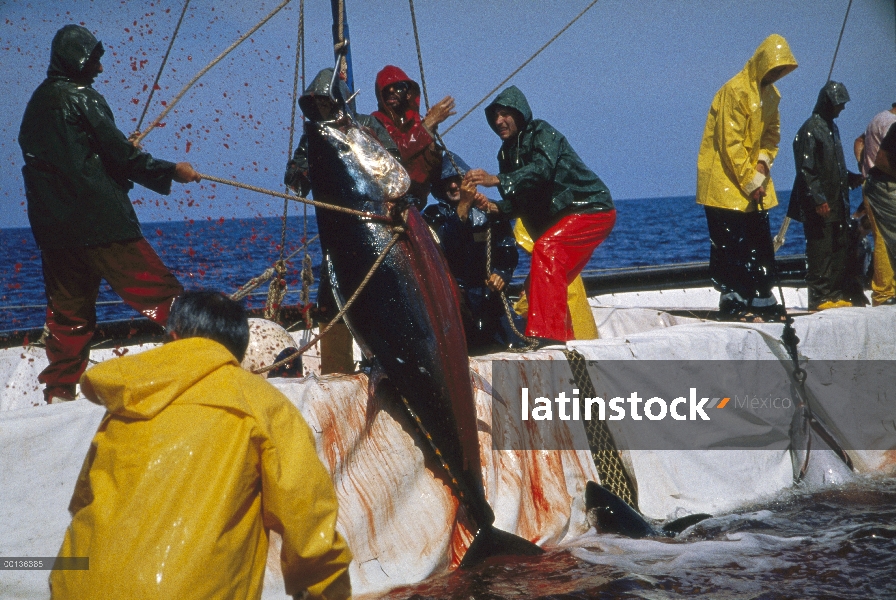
point(410, 136)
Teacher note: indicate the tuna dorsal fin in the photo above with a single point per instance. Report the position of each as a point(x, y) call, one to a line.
point(673, 528)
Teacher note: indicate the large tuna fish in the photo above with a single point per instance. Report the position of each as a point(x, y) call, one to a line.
point(408, 315)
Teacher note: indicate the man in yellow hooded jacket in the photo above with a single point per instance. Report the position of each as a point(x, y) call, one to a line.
point(195, 461)
point(734, 182)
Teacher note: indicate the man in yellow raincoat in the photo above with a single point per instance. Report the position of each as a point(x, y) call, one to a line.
point(195, 461)
point(734, 182)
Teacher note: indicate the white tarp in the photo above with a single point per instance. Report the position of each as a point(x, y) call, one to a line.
point(396, 509)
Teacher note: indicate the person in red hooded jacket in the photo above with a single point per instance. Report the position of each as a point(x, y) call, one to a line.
point(398, 98)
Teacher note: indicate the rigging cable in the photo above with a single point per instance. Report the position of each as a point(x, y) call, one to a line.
point(307, 273)
point(779, 239)
point(520, 68)
point(419, 56)
point(205, 70)
point(155, 83)
point(278, 287)
point(531, 343)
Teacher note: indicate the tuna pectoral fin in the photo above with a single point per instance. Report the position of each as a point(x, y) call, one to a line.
point(490, 541)
point(673, 528)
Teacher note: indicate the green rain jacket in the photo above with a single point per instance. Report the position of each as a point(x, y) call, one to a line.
point(78, 165)
point(542, 179)
point(821, 173)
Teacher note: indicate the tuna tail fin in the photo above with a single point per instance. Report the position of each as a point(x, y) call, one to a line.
point(673, 528)
point(490, 541)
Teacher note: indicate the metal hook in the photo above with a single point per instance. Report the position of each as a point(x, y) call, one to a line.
point(333, 79)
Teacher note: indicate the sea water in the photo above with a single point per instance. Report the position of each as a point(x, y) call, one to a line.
point(224, 253)
point(831, 544)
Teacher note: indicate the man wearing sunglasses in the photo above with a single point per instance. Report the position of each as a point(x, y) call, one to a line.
point(398, 98)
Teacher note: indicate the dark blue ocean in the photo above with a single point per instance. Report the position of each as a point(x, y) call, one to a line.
point(225, 253)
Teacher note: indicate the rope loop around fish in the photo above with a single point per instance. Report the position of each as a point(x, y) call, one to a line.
point(315, 203)
point(398, 231)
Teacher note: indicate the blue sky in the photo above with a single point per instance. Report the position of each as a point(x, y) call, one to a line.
point(629, 84)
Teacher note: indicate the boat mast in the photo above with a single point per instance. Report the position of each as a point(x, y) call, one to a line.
point(341, 47)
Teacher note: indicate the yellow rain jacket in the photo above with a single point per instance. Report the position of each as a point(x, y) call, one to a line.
point(742, 129)
point(192, 465)
point(583, 325)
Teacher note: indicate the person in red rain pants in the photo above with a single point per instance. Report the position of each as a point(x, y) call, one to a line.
point(563, 204)
point(78, 170)
point(398, 98)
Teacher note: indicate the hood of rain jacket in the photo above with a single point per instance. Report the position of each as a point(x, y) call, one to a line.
point(448, 171)
point(195, 460)
point(72, 47)
point(320, 86)
point(821, 173)
point(392, 74)
point(742, 129)
point(78, 165)
point(542, 179)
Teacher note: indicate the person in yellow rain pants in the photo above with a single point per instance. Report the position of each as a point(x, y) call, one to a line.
point(195, 461)
point(583, 324)
point(866, 146)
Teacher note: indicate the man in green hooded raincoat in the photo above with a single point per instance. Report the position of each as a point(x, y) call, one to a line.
point(78, 170)
point(734, 182)
point(820, 201)
point(565, 207)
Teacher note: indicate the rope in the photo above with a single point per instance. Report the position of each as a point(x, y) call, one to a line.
point(345, 307)
point(276, 293)
point(205, 70)
point(779, 239)
point(420, 59)
point(307, 273)
point(325, 205)
point(155, 82)
point(267, 274)
point(292, 124)
point(340, 46)
point(520, 68)
point(277, 289)
point(531, 342)
point(252, 284)
point(305, 295)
